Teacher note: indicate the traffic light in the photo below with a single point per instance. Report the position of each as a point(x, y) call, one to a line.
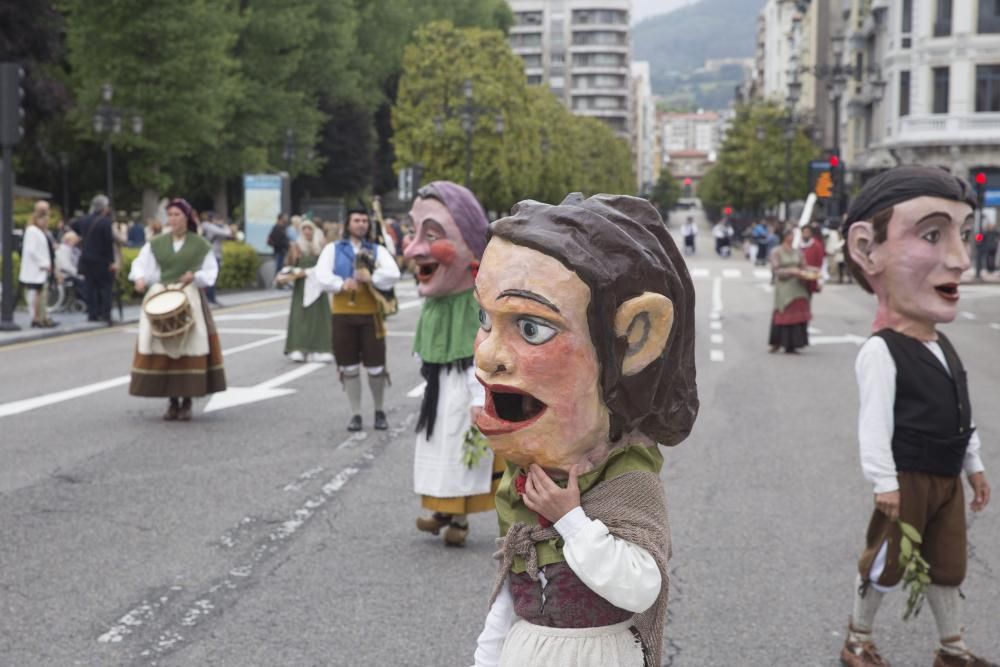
point(981, 189)
point(979, 237)
point(727, 211)
point(11, 103)
point(834, 161)
point(687, 181)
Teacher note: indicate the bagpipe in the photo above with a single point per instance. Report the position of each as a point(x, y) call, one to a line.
point(387, 302)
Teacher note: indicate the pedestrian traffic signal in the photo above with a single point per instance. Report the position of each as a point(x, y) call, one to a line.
point(687, 181)
point(834, 161)
point(11, 103)
point(727, 211)
point(979, 237)
point(824, 185)
point(981, 178)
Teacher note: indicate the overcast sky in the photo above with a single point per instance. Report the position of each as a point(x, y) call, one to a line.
point(642, 9)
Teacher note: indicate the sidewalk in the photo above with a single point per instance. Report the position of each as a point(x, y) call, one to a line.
point(77, 322)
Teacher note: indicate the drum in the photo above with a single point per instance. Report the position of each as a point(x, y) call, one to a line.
point(169, 313)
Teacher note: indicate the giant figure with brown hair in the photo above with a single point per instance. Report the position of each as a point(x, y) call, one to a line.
point(906, 235)
point(586, 351)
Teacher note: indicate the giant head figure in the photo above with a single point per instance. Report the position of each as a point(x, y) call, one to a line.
point(587, 336)
point(450, 235)
point(906, 235)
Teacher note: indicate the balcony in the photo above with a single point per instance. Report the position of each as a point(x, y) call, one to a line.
point(948, 129)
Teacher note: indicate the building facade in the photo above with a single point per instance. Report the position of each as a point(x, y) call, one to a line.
point(644, 133)
point(581, 50)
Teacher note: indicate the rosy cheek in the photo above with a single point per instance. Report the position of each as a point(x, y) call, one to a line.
point(443, 251)
point(545, 368)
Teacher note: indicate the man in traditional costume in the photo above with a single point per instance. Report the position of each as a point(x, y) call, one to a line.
point(586, 351)
point(906, 234)
point(190, 364)
point(353, 269)
point(450, 238)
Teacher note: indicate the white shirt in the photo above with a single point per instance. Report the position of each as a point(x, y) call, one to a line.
point(876, 373)
point(67, 260)
point(146, 267)
point(622, 573)
point(385, 275)
point(35, 259)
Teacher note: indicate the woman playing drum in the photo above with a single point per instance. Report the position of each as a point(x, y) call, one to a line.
point(187, 362)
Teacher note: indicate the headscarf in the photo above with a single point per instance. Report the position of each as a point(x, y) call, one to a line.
point(465, 210)
point(315, 247)
point(189, 213)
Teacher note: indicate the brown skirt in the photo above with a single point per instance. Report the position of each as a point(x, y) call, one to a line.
point(157, 375)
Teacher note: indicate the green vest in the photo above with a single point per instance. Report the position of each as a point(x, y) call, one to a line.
point(511, 508)
point(172, 264)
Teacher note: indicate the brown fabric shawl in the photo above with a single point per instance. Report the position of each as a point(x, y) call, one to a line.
point(634, 508)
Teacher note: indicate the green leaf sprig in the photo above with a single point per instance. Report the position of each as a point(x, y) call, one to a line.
point(474, 447)
point(916, 570)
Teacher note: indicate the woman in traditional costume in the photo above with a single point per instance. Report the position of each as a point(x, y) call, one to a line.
point(452, 481)
point(586, 352)
point(790, 319)
point(190, 364)
point(309, 332)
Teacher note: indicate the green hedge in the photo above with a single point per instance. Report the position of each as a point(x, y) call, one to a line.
point(239, 266)
point(17, 270)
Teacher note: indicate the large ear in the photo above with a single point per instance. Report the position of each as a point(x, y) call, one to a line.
point(861, 245)
point(645, 321)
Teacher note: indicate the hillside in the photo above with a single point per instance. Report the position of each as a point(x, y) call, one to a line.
point(678, 43)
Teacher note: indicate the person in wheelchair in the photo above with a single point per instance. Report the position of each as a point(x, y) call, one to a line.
point(70, 285)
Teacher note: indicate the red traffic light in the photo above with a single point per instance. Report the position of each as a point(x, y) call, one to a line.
point(727, 211)
point(979, 237)
point(687, 181)
point(834, 161)
point(981, 178)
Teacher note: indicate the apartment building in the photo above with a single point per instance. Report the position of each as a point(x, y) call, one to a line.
point(581, 50)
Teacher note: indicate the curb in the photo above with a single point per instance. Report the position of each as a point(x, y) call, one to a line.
point(31, 335)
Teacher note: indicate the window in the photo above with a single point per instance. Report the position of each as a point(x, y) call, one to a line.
point(987, 88)
point(527, 18)
point(907, 23)
point(940, 75)
point(605, 38)
point(942, 21)
point(534, 79)
point(989, 15)
point(904, 93)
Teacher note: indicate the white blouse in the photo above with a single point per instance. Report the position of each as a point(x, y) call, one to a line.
point(384, 277)
point(876, 373)
point(624, 574)
point(147, 268)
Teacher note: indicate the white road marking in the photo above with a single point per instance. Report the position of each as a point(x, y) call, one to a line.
point(762, 274)
point(24, 405)
point(353, 440)
point(234, 396)
point(836, 340)
point(994, 325)
point(230, 317)
point(717, 339)
point(717, 355)
point(406, 305)
point(967, 315)
point(418, 391)
point(303, 478)
point(700, 273)
point(716, 298)
point(813, 331)
point(716, 326)
point(767, 288)
point(401, 334)
point(732, 273)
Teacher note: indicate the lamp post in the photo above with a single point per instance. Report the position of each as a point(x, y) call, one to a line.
point(108, 122)
point(794, 93)
point(64, 163)
point(468, 114)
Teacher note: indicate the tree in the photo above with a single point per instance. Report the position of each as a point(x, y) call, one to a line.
point(750, 174)
point(666, 192)
point(172, 64)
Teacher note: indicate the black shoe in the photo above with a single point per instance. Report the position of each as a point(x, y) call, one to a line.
point(380, 423)
point(355, 423)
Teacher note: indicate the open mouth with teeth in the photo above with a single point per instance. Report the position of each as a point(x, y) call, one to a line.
point(508, 409)
point(426, 271)
point(948, 291)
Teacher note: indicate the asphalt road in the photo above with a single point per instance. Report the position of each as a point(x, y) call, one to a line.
point(262, 534)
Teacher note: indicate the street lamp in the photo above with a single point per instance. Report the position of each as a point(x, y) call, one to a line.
point(794, 93)
point(108, 122)
point(468, 114)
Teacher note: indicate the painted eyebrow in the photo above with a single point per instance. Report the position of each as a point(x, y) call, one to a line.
point(434, 223)
point(531, 296)
point(935, 214)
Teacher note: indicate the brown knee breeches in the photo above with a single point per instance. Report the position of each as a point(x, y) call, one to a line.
point(935, 506)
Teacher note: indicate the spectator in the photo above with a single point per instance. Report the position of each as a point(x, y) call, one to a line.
point(689, 231)
point(278, 240)
point(68, 257)
point(97, 258)
point(136, 235)
point(991, 240)
point(760, 236)
point(215, 233)
point(722, 232)
point(36, 265)
point(153, 228)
